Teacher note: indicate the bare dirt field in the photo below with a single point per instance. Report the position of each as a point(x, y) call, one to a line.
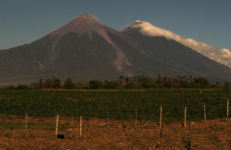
point(117, 135)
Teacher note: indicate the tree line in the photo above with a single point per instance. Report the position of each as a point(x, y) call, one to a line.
point(122, 82)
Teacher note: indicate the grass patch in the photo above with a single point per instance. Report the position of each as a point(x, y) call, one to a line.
point(43, 125)
point(12, 126)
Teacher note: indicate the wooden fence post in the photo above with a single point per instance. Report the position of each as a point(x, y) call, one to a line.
point(136, 118)
point(107, 120)
point(185, 116)
point(227, 108)
point(205, 115)
point(81, 126)
point(26, 121)
point(57, 125)
point(161, 109)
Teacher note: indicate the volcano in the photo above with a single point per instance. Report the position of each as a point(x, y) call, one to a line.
point(85, 49)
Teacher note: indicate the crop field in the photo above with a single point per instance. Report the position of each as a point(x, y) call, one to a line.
point(116, 104)
point(114, 119)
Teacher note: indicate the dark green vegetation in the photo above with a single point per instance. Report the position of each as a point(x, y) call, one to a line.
point(135, 82)
point(120, 104)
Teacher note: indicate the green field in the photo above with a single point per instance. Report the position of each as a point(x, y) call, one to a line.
point(120, 105)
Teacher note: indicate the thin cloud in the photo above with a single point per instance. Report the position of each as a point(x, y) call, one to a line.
point(222, 56)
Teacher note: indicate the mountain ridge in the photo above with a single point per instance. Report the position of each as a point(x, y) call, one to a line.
point(86, 49)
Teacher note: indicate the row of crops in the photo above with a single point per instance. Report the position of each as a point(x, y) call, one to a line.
point(121, 105)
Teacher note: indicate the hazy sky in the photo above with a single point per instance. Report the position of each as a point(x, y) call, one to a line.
point(209, 21)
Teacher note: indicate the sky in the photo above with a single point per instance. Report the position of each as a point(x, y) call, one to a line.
point(209, 21)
